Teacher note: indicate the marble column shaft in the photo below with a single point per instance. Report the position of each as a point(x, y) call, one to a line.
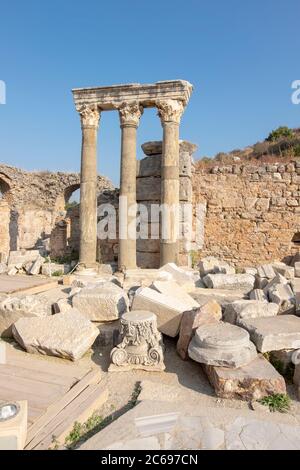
point(88, 186)
point(130, 114)
point(170, 112)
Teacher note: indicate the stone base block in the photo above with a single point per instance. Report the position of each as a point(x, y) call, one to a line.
point(250, 382)
point(222, 344)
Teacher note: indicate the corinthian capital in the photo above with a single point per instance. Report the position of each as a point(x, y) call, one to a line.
point(170, 110)
point(89, 115)
point(130, 113)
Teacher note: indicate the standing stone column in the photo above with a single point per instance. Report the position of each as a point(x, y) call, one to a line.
point(130, 113)
point(170, 112)
point(88, 185)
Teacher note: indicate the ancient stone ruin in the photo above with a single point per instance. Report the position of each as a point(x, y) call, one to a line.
point(191, 333)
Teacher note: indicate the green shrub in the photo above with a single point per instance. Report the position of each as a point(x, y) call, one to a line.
point(278, 402)
point(57, 273)
point(280, 133)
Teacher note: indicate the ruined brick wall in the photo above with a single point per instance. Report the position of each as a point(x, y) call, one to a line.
point(36, 203)
point(252, 211)
point(4, 227)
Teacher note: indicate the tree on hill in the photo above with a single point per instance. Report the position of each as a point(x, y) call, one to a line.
point(282, 132)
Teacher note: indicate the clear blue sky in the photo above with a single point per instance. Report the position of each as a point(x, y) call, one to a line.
point(241, 57)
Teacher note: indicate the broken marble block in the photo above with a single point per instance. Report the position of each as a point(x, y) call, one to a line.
point(168, 309)
point(266, 271)
point(21, 257)
point(286, 271)
point(68, 335)
point(211, 265)
point(173, 289)
point(273, 334)
point(244, 282)
point(252, 381)
point(283, 295)
point(222, 296)
point(103, 302)
point(249, 309)
point(36, 266)
point(258, 294)
point(13, 308)
point(222, 344)
point(276, 281)
point(185, 278)
point(251, 270)
point(210, 312)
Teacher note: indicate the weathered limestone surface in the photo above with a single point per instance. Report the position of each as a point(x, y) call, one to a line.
point(186, 279)
point(282, 295)
point(141, 346)
point(258, 294)
point(253, 381)
point(13, 308)
point(210, 312)
point(242, 309)
point(244, 282)
point(222, 296)
point(273, 334)
point(105, 302)
point(212, 265)
point(222, 344)
point(68, 335)
point(168, 309)
point(172, 288)
point(286, 271)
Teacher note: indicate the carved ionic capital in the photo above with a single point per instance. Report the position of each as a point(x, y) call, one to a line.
point(89, 115)
point(170, 110)
point(130, 113)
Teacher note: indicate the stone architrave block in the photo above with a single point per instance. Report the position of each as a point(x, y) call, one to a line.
point(243, 282)
point(172, 288)
point(266, 271)
point(185, 278)
point(273, 334)
point(242, 309)
point(168, 309)
point(13, 308)
point(286, 271)
point(258, 294)
point(104, 302)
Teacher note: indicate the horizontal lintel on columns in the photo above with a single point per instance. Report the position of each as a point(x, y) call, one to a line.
point(110, 97)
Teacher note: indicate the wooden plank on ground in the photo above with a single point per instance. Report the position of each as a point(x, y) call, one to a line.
point(79, 410)
point(93, 377)
point(38, 289)
point(20, 284)
point(11, 371)
point(27, 385)
point(37, 363)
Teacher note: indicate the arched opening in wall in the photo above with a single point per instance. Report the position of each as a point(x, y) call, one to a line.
point(296, 239)
point(72, 197)
point(4, 188)
point(7, 234)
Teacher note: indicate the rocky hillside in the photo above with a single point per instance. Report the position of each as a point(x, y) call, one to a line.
point(282, 143)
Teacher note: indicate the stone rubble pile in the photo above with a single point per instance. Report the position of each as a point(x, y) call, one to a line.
point(32, 262)
point(225, 326)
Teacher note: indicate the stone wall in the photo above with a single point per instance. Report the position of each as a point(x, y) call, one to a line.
point(252, 211)
point(32, 205)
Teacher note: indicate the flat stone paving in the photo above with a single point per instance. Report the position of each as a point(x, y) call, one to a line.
point(19, 283)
